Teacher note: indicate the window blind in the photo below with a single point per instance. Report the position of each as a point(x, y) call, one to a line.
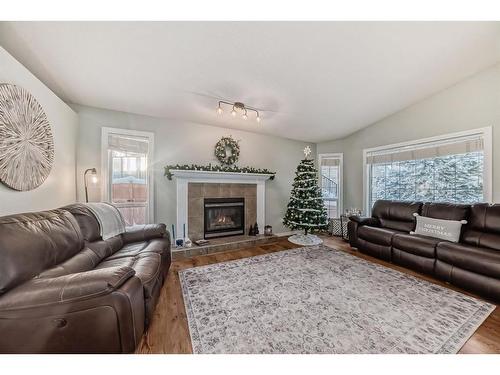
point(125, 143)
point(330, 162)
point(454, 146)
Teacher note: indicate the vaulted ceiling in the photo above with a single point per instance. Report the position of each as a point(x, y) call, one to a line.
point(314, 81)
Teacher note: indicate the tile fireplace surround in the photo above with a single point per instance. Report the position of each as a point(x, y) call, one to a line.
point(194, 186)
point(197, 192)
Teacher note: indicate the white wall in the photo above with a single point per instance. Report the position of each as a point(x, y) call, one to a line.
point(186, 143)
point(472, 103)
point(60, 187)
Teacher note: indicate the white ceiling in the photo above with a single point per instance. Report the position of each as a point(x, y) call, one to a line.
point(318, 80)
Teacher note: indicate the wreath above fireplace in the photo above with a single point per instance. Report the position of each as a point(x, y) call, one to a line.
point(227, 150)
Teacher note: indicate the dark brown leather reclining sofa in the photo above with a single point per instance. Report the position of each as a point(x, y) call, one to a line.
point(65, 290)
point(472, 264)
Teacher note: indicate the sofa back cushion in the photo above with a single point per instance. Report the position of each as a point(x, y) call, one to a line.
point(32, 242)
point(86, 220)
point(105, 248)
point(92, 232)
point(396, 215)
point(483, 228)
point(446, 211)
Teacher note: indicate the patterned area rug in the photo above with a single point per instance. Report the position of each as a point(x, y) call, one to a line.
point(321, 300)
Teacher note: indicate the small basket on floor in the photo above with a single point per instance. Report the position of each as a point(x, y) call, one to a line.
point(338, 227)
point(335, 227)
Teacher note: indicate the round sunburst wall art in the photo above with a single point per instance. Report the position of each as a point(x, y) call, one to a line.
point(26, 142)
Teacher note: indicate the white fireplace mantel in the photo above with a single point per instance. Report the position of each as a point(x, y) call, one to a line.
point(184, 177)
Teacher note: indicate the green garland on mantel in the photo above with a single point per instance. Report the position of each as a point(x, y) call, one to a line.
point(216, 168)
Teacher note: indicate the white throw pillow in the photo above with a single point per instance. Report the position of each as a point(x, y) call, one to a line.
point(448, 230)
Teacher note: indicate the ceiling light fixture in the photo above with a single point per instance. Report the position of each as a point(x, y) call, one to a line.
point(239, 107)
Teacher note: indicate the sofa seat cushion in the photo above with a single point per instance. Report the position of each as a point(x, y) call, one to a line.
point(139, 233)
point(145, 247)
point(129, 250)
point(380, 236)
point(105, 248)
point(476, 259)
point(415, 244)
point(85, 260)
point(147, 268)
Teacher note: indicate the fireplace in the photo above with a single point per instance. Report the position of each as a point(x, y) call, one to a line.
point(224, 217)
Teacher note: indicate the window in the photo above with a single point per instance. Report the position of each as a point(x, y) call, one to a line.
point(330, 168)
point(454, 168)
point(128, 181)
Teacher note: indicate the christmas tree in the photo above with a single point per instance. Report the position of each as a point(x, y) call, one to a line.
point(306, 209)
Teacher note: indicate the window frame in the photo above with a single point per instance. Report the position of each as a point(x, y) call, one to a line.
point(105, 132)
point(485, 133)
point(340, 157)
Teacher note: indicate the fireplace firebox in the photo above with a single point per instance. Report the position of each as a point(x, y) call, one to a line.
point(224, 217)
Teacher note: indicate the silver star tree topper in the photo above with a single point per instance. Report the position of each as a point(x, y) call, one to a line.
point(307, 151)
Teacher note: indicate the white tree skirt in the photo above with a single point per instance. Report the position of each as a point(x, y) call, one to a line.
point(305, 240)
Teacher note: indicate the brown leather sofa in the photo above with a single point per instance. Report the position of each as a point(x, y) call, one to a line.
point(472, 264)
point(65, 290)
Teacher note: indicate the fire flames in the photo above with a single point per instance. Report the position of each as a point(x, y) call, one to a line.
point(223, 220)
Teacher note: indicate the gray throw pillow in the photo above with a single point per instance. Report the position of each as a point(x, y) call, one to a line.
point(448, 230)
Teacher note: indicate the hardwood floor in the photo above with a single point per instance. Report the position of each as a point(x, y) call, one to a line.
point(169, 333)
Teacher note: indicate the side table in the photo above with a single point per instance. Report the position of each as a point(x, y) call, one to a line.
point(338, 226)
point(344, 219)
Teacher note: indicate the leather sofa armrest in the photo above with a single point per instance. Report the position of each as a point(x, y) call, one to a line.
point(352, 233)
point(146, 232)
point(353, 225)
point(65, 289)
point(370, 221)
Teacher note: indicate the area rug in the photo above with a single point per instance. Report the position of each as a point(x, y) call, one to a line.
point(321, 300)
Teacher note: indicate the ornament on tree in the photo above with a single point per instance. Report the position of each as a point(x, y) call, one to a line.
point(306, 209)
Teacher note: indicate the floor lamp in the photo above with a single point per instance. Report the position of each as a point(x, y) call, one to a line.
point(93, 173)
